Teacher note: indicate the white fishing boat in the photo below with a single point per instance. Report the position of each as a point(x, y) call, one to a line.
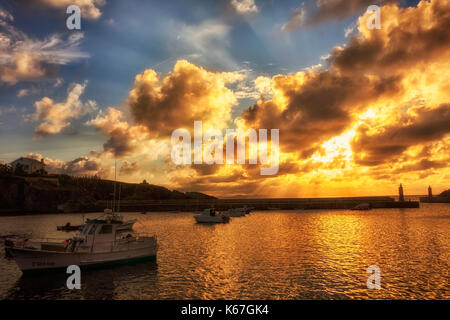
point(211, 216)
point(102, 241)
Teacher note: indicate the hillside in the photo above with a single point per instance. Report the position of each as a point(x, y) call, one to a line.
point(445, 194)
point(55, 193)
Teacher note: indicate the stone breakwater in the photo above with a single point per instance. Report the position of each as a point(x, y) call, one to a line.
point(264, 204)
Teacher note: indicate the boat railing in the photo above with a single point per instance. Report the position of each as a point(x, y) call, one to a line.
point(43, 240)
point(137, 237)
point(145, 234)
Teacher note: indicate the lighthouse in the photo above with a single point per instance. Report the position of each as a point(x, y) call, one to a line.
point(430, 194)
point(401, 198)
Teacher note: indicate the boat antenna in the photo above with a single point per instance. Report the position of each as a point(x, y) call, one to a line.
point(120, 189)
point(115, 179)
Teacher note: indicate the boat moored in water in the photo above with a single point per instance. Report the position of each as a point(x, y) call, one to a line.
point(102, 241)
point(362, 207)
point(211, 216)
point(68, 227)
point(238, 212)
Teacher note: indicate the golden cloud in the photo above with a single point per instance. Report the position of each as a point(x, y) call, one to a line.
point(23, 58)
point(82, 166)
point(379, 113)
point(55, 117)
point(90, 9)
point(312, 107)
point(186, 94)
point(123, 138)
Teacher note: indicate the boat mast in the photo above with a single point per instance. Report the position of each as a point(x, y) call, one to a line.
point(115, 179)
point(120, 189)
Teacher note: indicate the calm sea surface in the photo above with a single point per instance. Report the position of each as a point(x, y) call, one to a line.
point(316, 254)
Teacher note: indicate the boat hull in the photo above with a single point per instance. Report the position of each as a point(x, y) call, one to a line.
point(68, 228)
point(212, 219)
point(30, 260)
point(235, 213)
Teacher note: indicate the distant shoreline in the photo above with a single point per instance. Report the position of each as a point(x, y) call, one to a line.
point(191, 205)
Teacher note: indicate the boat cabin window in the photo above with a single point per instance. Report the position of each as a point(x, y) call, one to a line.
point(106, 229)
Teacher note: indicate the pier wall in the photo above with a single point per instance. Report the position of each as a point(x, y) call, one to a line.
point(261, 204)
point(435, 199)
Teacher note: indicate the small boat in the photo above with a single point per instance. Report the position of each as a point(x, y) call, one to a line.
point(102, 241)
point(10, 239)
point(362, 206)
point(68, 227)
point(237, 212)
point(211, 216)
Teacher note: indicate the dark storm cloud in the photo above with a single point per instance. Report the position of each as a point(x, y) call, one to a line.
point(319, 106)
point(417, 36)
point(429, 125)
point(187, 94)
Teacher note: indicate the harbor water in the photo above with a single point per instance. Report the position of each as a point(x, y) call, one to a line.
point(316, 254)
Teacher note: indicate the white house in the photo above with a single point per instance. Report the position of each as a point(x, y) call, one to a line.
point(28, 165)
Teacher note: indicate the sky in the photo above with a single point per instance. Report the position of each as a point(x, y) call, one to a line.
point(359, 110)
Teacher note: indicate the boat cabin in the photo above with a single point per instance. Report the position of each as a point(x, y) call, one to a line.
point(101, 235)
point(209, 212)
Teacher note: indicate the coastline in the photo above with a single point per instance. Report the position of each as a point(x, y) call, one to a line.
point(188, 205)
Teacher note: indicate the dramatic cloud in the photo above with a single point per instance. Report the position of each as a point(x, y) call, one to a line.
point(373, 146)
point(23, 58)
point(314, 12)
point(311, 107)
point(123, 138)
point(244, 6)
point(129, 168)
point(187, 94)
point(90, 9)
point(314, 106)
point(54, 117)
point(377, 114)
point(407, 37)
point(423, 165)
point(381, 102)
point(82, 166)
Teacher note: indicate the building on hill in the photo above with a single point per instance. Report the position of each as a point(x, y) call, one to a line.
point(28, 165)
